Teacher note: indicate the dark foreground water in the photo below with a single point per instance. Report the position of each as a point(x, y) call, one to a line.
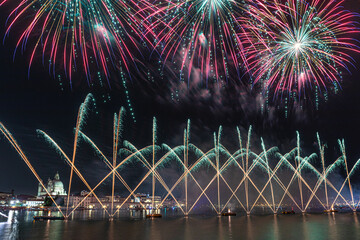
point(309, 226)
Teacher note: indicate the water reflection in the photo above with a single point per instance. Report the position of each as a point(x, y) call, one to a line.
point(111, 232)
point(356, 220)
point(19, 225)
point(276, 227)
point(250, 229)
point(332, 226)
point(305, 227)
point(10, 228)
point(230, 228)
point(187, 229)
point(356, 224)
point(220, 231)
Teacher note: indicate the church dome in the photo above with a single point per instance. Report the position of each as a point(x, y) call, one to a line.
point(58, 186)
point(54, 187)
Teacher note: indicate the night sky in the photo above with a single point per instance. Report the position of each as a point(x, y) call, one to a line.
point(37, 102)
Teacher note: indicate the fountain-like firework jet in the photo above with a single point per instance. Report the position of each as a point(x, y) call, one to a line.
point(322, 156)
point(118, 123)
point(203, 157)
point(342, 148)
point(171, 154)
point(348, 175)
point(232, 159)
point(111, 168)
point(186, 161)
point(247, 174)
point(298, 169)
point(300, 163)
point(245, 159)
point(306, 164)
point(203, 33)
point(273, 172)
point(70, 163)
point(153, 162)
point(140, 156)
point(352, 205)
point(257, 163)
point(241, 147)
point(217, 154)
point(145, 162)
point(74, 34)
point(13, 142)
point(269, 173)
point(303, 162)
point(286, 189)
point(224, 167)
point(150, 168)
point(291, 46)
point(79, 124)
point(124, 161)
point(323, 177)
point(272, 176)
point(246, 170)
point(215, 166)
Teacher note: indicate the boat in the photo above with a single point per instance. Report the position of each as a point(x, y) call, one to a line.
point(288, 212)
point(42, 218)
point(155, 215)
point(330, 210)
point(228, 213)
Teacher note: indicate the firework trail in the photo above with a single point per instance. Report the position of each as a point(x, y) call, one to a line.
point(293, 45)
point(203, 33)
point(219, 160)
point(78, 34)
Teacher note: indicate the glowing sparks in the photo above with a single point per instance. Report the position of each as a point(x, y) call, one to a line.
point(78, 35)
point(203, 34)
point(218, 161)
point(296, 45)
point(289, 46)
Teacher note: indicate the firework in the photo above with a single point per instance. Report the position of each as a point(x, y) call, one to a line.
point(199, 37)
point(297, 45)
point(256, 176)
point(78, 34)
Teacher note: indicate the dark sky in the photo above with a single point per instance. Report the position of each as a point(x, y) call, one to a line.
point(27, 104)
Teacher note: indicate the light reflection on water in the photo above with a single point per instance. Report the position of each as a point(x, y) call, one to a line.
point(92, 225)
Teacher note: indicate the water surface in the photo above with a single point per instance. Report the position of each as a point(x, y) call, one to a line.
point(304, 227)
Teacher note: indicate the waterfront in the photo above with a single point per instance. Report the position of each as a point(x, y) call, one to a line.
point(307, 226)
